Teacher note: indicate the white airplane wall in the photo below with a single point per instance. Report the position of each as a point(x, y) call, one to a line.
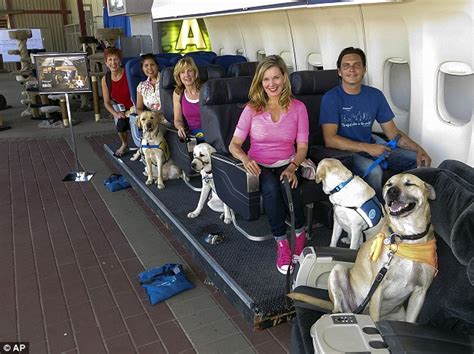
point(406, 44)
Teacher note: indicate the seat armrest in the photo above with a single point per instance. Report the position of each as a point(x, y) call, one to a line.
point(235, 187)
point(253, 184)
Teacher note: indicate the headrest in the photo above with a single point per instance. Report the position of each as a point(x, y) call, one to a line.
point(452, 212)
point(227, 60)
point(225, 91)
point(313, 82)
point(211, 72)
point(243, 69)
point(205, 73)
point(167, 79)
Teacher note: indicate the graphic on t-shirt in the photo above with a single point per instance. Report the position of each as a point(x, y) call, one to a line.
point(351, 119)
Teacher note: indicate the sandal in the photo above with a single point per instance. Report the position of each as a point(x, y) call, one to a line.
point(121, 152)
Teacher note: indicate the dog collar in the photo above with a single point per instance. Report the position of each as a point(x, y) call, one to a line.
point(410, 237)
point(341, 185)
point(151, 146)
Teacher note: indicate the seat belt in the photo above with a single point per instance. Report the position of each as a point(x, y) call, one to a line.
point(381, 160)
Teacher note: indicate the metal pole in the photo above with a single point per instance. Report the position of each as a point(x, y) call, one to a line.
point(72, 132)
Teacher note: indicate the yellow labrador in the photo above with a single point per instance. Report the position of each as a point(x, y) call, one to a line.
point(356, 209)
point(202, 163)
point(155, 149)
point(409, 235)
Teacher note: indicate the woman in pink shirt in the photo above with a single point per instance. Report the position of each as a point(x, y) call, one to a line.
point(275, 122)
point(186, 111)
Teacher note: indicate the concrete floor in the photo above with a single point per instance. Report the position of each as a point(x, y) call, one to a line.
point(201, 317)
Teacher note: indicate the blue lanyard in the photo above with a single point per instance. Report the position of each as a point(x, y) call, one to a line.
point(382, 159)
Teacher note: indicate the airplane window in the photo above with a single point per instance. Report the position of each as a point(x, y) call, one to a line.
point(398, 85)
point(455, 92)
point(288, 58)
point(315, 61)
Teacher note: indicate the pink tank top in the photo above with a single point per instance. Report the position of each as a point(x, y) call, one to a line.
point(191, 113)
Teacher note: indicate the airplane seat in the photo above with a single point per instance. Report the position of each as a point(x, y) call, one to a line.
point(222, 102)
point(309, 87)
point(242, 69)
point(181, 152)
point(135, 74)
point(169, 56)
point(202, 54)
point(227, 60)
point(446, 319)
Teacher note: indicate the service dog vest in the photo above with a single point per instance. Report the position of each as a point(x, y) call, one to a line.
point(371, 211)
point(163, 146)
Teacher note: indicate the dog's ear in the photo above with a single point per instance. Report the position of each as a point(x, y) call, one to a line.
point(431, 191)
point(138, 122)
point(320, 173)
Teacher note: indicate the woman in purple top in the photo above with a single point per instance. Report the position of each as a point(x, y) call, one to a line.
point(275, 122)
point(186, 98)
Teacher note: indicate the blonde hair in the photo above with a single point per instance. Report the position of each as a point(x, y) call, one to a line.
point(180, 67)
point(257, 95)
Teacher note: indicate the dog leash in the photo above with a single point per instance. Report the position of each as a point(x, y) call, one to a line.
point(381, 274)
point(381, 160)
point(292, 240)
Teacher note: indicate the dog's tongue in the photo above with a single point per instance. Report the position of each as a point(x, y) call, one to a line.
point(397, 206)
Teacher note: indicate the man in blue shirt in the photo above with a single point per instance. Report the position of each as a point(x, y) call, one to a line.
point(348, 112)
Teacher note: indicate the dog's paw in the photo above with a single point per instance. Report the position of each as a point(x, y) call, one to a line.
point(227, 220)
point(193, 215)
point(160, 185)
point(149, 181)
point(346, 240)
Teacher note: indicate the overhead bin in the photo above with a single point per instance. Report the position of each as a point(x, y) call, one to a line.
point(166, 10)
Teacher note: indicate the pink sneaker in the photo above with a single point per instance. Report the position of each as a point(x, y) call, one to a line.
point(300, 242)
point(284, 257)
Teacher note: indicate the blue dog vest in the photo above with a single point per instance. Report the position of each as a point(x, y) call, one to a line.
point(371, 211)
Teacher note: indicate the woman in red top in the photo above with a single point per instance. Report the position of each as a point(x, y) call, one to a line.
point(117, 100)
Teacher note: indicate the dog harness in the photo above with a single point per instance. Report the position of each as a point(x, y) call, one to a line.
point(163, 146)
point(371, 211)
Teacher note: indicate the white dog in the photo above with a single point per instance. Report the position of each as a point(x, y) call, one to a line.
point(356, 209)
point(155, 150)
point(202, 163)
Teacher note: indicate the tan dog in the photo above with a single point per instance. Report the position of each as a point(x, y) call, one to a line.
point(155, 149)
point(356, 211)
point(413, 266)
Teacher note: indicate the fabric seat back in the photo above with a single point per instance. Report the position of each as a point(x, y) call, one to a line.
point(227, 60)
point(309, 87)
point(242, 69)
point(222, 101)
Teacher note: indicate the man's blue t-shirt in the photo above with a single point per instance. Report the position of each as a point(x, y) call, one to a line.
point(355, 114)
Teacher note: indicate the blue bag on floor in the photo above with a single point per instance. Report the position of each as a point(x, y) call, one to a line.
point(163, 282)
point(116, 182)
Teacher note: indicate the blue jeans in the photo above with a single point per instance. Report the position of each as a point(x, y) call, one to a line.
point(274, 200)
point(399, 160)
point(136, 133)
